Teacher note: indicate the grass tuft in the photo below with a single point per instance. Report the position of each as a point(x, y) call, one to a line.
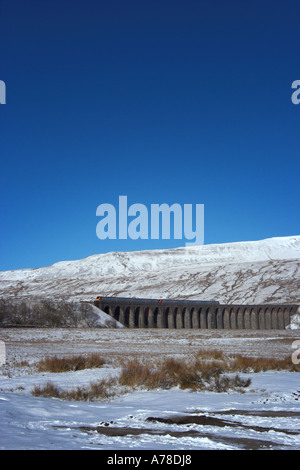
point(102, 389)
point(73, 363)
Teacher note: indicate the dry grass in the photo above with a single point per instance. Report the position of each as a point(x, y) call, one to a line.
point(209, 355)
point(136, 374)
point(208, 371)
point(250, 364)
point(195, 375)
point(100, 390)
point(48, 390)
point(240, 363)
point(73, 363)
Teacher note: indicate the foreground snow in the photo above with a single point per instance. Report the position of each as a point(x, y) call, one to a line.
point(266, 416)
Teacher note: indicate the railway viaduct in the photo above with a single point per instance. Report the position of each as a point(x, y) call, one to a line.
point(151, 313)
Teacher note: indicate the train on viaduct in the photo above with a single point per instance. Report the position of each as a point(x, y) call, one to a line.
point(161, 313)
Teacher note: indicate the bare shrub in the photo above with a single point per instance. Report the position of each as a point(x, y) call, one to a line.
point(46, 313)
point(225, 383)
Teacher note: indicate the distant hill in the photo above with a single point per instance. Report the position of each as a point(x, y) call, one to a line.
point(265, 271)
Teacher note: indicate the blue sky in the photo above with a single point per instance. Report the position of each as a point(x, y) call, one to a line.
point(182, 101)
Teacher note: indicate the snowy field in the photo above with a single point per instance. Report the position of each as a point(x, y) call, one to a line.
point(265, 416)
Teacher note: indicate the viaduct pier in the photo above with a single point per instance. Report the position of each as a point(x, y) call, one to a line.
point(160, 313)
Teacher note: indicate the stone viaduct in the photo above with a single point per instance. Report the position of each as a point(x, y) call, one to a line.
point(151, 313)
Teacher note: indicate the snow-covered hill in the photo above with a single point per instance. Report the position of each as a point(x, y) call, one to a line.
point(243, 272)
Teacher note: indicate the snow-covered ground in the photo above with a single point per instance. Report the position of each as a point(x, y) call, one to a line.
point(244, 272)
point(266, 416)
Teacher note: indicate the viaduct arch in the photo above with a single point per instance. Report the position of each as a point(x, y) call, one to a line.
point(179, 314)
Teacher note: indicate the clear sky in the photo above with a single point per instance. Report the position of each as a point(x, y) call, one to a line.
point(164, 101)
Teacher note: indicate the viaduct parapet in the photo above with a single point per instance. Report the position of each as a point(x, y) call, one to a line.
point(152, 313)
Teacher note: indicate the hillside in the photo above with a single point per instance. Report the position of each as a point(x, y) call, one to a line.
point(243, 272)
